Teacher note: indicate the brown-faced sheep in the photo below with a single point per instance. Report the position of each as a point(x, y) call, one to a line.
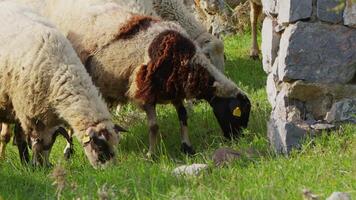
point(149, 62)
point(43, 83)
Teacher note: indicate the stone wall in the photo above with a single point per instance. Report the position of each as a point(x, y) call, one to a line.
point(309, 53)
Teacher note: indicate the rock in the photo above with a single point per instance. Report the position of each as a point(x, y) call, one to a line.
point(270, 7)
point(330, 10)
point(305, 91)
point(339, 196)
point(271, 89)
point(270, 43)
point(319, 126)
point(342, 111)
point(350, 13)
point(317, 52)
point(284, 135)
point(319, 97)
point(293, 10)
point(225, 155)
point(193, 169)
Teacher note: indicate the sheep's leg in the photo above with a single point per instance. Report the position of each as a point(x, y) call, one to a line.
point(5, 136)
point(69, 149)
point(152, 123)
point(186, 145)
point(254, 13)
point(21, 143)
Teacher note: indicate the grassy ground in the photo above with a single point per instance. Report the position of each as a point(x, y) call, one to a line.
point(324, 165)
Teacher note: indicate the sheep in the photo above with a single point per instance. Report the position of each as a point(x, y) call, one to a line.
point(147, 61)
point(44, 84)
point(217, 7)
point(175, 10)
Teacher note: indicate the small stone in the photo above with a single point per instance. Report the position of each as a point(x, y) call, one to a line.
point(225, 155)
point(330, 10)
point(350, 14)
point(322, 126)
point(339, 196)
point(191, 170)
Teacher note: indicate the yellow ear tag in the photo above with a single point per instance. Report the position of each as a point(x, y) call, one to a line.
point(85, 139)
point(237, 112)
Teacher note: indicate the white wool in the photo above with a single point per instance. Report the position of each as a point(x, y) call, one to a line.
point(42, 79)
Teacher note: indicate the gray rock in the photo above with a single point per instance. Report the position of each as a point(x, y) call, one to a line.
point(317, 52)
point(339, 196)
point(271, 89)
point(318, 97)
point(270, 43)
point(270, 7)
point(342, 111)
point(286, 127)
point(330, 10)
point(223, 156)
point(293, 10)
point(191, 170)
point(350, 13)
point(284, 135)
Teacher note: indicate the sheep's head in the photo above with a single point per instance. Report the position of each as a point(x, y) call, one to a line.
point(232, 113)
point(213, 48)
point(100, 144)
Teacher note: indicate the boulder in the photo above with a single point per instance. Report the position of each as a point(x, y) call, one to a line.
point(317, 52)
point(330, 10)
point(342, 111)
point(284, 135)
point(293, 10)
point(350, 13)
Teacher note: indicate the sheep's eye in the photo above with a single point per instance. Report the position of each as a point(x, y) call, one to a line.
point(206, 41)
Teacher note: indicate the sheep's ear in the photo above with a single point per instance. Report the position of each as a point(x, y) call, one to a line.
point(118, 129)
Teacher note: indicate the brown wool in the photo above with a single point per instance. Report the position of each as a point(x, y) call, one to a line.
point(134, 25)
point(169, 75)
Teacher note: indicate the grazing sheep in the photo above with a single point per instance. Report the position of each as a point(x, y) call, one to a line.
point(43, 84)
point(207, 8)
point(149, 62)
point(174, 10)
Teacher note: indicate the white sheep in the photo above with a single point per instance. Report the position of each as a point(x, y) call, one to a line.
point(43, 84)
point(175, 10)
point(147, 61)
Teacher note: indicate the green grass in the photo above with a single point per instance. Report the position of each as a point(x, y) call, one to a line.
point(324, 164)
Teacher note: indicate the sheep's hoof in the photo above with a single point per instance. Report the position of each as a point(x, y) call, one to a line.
point(68, 153)
point(254, 54)
point(186, 149)
point(254, 57)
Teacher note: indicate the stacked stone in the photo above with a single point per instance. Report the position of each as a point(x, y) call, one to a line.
point(309, 53)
